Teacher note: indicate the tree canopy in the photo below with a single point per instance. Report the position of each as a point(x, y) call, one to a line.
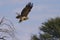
point(51, 29)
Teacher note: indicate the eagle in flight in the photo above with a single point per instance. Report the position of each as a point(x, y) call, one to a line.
point(25, 12)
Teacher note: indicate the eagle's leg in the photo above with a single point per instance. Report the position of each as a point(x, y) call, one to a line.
point(20, 20)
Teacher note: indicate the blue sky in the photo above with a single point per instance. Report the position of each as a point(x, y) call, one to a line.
point(42, 11)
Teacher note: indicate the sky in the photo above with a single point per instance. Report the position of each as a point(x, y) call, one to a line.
point(42, 11)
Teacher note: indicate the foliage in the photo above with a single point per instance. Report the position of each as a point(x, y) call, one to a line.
point(51, 29)
point(35, 37)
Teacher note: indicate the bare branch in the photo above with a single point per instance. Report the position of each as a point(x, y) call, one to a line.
point(10, 31)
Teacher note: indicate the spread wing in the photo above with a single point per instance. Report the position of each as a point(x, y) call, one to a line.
point(27, 9)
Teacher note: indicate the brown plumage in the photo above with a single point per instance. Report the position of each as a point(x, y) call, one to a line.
point(25, 12)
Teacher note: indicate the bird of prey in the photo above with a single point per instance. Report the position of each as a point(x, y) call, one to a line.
point(25, 12)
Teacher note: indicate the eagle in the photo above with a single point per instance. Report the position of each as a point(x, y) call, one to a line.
point(24, 14)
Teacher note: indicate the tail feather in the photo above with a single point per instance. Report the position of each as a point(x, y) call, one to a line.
point(18, 16)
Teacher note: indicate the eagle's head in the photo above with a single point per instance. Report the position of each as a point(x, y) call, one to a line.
point(23, 18)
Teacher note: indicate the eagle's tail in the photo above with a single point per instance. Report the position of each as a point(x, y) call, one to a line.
point(18, 15)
